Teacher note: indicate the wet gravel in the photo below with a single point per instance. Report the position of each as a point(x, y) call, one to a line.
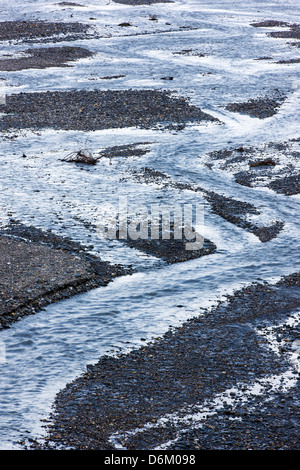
point(37, 31)
point(269, 24)
point(141, 2)
point(172, 251)
point(234, 211)
point(137, 149)
point(292, 31)
point(44, 57)
point(261, 108)
point(264, 426)
point(92, 110)
point(69, 4)
point(120, 400)
point(274, 165)
point(190, 364)
point(288, 61)
point(38, 268)
point(288, 185)
point(84, 156)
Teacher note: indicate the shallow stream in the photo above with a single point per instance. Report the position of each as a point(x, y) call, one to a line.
point(42, 353)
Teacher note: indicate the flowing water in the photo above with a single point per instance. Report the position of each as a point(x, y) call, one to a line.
point(42, 353)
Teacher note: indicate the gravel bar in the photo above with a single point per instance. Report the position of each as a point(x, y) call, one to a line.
point(139, 400)
point(92, 110)
point(37, 31)
point(230, 209)
point(141, 2)
point(274, 165)
point(261, 108)
point(38, 268)
point(41, 58)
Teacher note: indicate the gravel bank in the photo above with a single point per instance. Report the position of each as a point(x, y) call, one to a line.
point(141, 2)
point(234, 211)
point(92, 110)
point(260, 108)
point(172, 251)
point(274, 165)
point(38, 268)
point(121, 400)
point(44, 57)
point(292, 32)
point(40, 31)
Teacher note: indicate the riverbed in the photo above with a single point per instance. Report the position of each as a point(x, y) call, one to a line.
point(165, 75)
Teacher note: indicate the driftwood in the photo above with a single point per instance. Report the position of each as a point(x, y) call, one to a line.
point(82, 156)
point(86, 157)
point(266, 162)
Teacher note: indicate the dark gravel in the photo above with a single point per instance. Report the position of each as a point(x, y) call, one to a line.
point(288, 185)
point(293, 31)
point(232, 210)
point(188, 365)
point(269, 24)
point(288, 61)
point(190, 53)
point(236, 212)
point(264, 426)
point(172, 251)
point(69, 4)
point(38, 268)
point(274, 165)
point(45, 57)
point(92, 110)
point(28, 31)
point(130, 150)
point(261, 108)
point(141, 2)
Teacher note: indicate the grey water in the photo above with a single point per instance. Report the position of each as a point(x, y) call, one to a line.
point(40, 354)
